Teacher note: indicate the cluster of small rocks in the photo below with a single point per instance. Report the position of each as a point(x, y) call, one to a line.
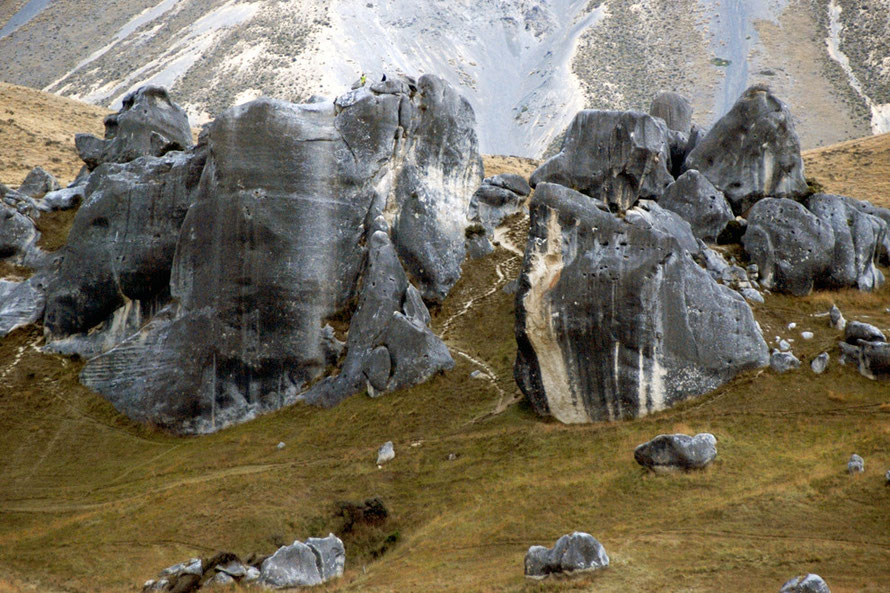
point(301, 564)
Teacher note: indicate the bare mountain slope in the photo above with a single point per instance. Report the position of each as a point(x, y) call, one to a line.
point(526, 65)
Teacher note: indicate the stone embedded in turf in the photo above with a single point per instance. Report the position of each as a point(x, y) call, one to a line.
point(811, 583)
point(574, 553)
point(677, 451)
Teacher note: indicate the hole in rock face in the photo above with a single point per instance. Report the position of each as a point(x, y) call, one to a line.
point(100, 222)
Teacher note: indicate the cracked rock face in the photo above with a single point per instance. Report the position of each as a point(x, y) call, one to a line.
point(752, 152)
point(615, 319)
point(614, 156)
point(212, 298)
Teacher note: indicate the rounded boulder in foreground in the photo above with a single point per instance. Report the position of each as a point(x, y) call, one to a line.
point(668, 452)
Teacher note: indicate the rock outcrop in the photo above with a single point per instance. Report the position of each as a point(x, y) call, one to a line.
point(573, 553)
point(147, 124)
point(752, 152)
point(314, 562)
point(792, 247)
point(38, 183)
point(274, 262)
point(614, 156)
point(668, 452)
point(674, 109)
point(614, 317)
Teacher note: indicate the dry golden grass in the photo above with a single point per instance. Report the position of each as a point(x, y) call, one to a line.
point(856, 168)
point(92, 502)
point(37, 129)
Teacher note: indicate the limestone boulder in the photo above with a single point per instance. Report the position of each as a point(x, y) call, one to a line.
point(614, 317)
point(668, 452)
point(291, 566)
point(674, 109)
point(810, 583)
point(38, 183)
point(617, 157)
point(752, 152)
point(857, 240)
point(701, 204)
point(792, 247)
point(148, 123)
point(574, 553)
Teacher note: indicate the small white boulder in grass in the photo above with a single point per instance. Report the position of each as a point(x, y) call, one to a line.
point(385, 453)
point(856, 465)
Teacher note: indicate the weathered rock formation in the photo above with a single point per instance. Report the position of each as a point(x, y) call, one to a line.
point(668, 452)
point(148, 123)
point(614, 317)
point(674, 109)
point(701, 204)
point(275, 261)
point(752, 152)
point(614, 156)
point(791, 246)
point(857, 240)
point(573, 553)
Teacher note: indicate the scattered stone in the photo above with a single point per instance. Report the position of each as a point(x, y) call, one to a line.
point(586, 355)
point(820, 363)
point(791, 325)
point(751, 295)
point(836, 318)
point(807, 335)
point(857, 330)
point(887, 477)
point(874, 360)
point(811, 583)
point(784, 346)
point(295, 565)
point(21, 303)
point(782, 362)
point(478, 375)
point(668, 452)
point(616, 157)
point(385, 453)
point(573, 554)
point(790, 245)
point(38, 183)
point(752, 152)
point(453, 457)
point(701, 204)
point(856, 465)
point(280, 445)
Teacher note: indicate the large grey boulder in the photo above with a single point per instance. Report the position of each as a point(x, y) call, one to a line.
point(121, 245)
point(701, 204)
point(668, 452)
point(275, 276)
point(574, 553)
point(38, 183)
point(854, 331)
point(18, 236)
point(614, 156)
point(874, 360)
point(878, 212)
point(782, 362)
point(63, 199)
point(810, 583)
point(290, 566)
point(752, 152)
point(674, 109)
point(857, 238)
point(511, 181)
point(792, 247)
point(614, 317)
point(147, 124)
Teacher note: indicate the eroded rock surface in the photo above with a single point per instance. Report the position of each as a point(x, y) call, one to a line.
point(614, 156)
point(615, 319)
point(701, 204)
point(752, 152)
point(273, 280)
point(791, 246)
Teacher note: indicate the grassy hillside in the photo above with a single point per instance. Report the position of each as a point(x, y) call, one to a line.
point(91, 502)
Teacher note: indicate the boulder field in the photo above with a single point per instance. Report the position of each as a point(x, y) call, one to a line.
point(292, 252)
